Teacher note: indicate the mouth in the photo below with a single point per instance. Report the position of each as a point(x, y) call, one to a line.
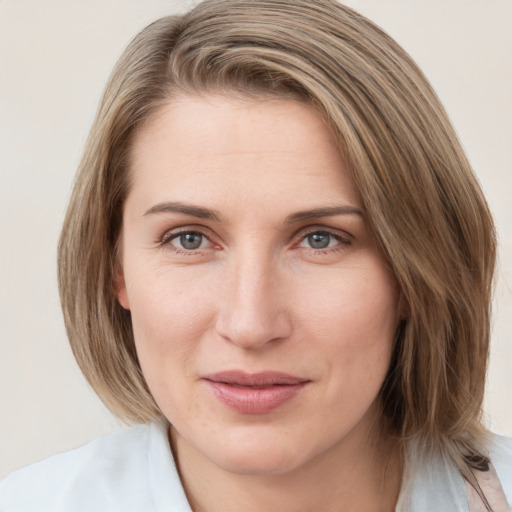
point(257, 393)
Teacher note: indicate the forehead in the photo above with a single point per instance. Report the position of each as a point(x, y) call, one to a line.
point(217, 145)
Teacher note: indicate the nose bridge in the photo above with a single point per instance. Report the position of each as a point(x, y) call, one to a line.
point(253, 312)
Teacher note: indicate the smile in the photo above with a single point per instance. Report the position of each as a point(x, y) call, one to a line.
point(258, 393)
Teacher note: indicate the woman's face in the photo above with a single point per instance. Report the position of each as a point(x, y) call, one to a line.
point(263, 315)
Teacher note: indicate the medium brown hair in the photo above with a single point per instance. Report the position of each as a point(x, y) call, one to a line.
point(421, 199)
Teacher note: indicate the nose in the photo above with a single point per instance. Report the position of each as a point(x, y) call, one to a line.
point(252, 306)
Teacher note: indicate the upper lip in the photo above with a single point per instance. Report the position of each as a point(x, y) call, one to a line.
point(268, 378)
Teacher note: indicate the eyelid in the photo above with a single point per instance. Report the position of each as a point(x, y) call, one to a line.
point(172, 233)
point(344, 236)
point(341, 233)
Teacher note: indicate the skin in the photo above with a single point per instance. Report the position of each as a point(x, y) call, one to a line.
point(256, 296)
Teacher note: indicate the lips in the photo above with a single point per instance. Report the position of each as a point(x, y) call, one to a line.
point(257, 393)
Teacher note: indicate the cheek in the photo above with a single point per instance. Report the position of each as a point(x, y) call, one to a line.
point(353, 303)
point(170, 316)
point(356, 331)
point(353, 319)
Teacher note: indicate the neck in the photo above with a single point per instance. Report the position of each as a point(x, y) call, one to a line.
point(363, 473)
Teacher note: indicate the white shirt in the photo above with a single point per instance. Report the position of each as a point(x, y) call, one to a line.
point(134, 470)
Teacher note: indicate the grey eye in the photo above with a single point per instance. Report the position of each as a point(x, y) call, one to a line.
point(319, 240)
point(190, 240)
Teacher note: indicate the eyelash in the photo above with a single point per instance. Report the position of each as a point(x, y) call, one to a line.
point(165, 241)
point(343, 239)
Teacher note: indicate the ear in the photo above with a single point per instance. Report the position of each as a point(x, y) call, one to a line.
point(120, 288)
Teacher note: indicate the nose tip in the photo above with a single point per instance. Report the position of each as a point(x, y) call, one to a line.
point(252, 313)
point(251, 334)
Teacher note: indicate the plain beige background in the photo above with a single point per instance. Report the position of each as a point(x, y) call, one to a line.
point(55, 57)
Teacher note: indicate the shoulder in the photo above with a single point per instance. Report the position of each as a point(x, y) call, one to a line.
point(113, 472)
point(101, 467)
point(432, 483)
point(500, 453)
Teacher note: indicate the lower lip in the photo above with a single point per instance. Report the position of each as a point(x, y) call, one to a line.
point(247, 400)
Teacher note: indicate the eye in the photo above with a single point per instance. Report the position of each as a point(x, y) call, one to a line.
point(188, 240)
point(322, 240)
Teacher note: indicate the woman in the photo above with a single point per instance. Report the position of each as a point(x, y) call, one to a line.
point(277, 257)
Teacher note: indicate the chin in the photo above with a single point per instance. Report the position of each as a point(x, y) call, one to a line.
point(261, 464)
point(258, 455)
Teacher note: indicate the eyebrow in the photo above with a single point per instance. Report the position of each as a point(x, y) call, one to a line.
point(318, 213)
point(187, 209)
point(206, 213)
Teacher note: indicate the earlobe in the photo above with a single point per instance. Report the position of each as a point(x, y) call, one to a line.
point(120, 289)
